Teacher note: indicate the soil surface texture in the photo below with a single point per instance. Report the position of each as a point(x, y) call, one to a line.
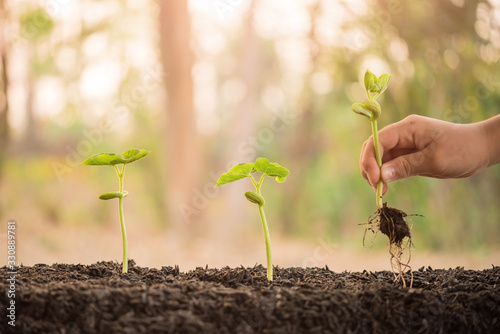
point(98, 298)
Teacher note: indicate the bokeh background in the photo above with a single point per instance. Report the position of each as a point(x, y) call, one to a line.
point(204, 84)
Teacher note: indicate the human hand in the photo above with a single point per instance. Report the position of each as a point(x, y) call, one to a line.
point(425, 146)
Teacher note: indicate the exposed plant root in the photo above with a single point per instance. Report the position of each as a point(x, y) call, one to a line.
point(397, 225)
point(398, 265)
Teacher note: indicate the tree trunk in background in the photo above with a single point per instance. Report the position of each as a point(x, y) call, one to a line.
point(4, 125)
point(182, 152)
point(304, 146)
point(243, 124)
point(31, 138)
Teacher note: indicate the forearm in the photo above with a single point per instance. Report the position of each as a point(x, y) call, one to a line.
point(492, 128)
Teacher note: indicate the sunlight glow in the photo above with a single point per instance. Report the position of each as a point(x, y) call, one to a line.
point(48, 99)
point(100, 80)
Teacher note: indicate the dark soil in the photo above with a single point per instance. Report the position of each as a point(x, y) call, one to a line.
point(100, 299)
point(393, 224)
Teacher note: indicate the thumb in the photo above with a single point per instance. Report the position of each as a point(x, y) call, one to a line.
point(402, 167)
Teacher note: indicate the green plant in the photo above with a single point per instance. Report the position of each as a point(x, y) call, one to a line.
point(390, 221)
point(112, 159)
point(371, 109)
point(244, 170)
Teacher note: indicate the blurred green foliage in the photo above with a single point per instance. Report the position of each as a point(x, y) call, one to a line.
point(444, 59)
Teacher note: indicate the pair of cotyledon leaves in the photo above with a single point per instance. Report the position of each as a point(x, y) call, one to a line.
point(243, 170)
point(374, 84)
point(110, 159)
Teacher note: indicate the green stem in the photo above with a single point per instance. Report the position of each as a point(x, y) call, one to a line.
point(260, 182)
point(124, 236)
point(265, 228)
point(257, 186)
point(122, 220)
point(379, 162)
point(268, 244)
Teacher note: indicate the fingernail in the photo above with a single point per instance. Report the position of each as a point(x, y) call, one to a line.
point(388, 174)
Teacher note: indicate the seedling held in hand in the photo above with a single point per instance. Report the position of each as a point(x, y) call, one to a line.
point(371, 109)
point(112, 159)
point(390, 221)
point(244, 170)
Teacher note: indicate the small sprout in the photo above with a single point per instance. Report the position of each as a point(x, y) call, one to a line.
point(243, 170)
point(112, 159)
point(376, 85)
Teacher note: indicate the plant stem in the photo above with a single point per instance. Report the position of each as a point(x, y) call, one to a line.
point(124, 236)
point(254, 183)
point(265, 228)
point(379, 162)
point(122, 221)
point(268, 244)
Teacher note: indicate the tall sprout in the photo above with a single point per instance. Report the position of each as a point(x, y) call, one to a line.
point(374, 87)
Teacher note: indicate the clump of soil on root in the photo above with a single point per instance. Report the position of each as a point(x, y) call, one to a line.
point(396, 225)
point(393, 224)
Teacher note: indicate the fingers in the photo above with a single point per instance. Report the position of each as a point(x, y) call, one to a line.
point(399, 150)
point(399, 138)
point(371, 172)
point(407, 165)
point(384, 189)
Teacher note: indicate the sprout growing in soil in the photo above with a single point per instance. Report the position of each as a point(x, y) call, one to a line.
point(112, 159)
point(243, 170)
point(390, 221)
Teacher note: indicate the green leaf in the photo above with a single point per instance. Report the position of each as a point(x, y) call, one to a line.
point(271, 169)
point(112, 195)
point(102, 159)
point(235, 173)
point(383, 82)
point(134, 155)
point(359, 108)
point(370, 81)
point(109, 159)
